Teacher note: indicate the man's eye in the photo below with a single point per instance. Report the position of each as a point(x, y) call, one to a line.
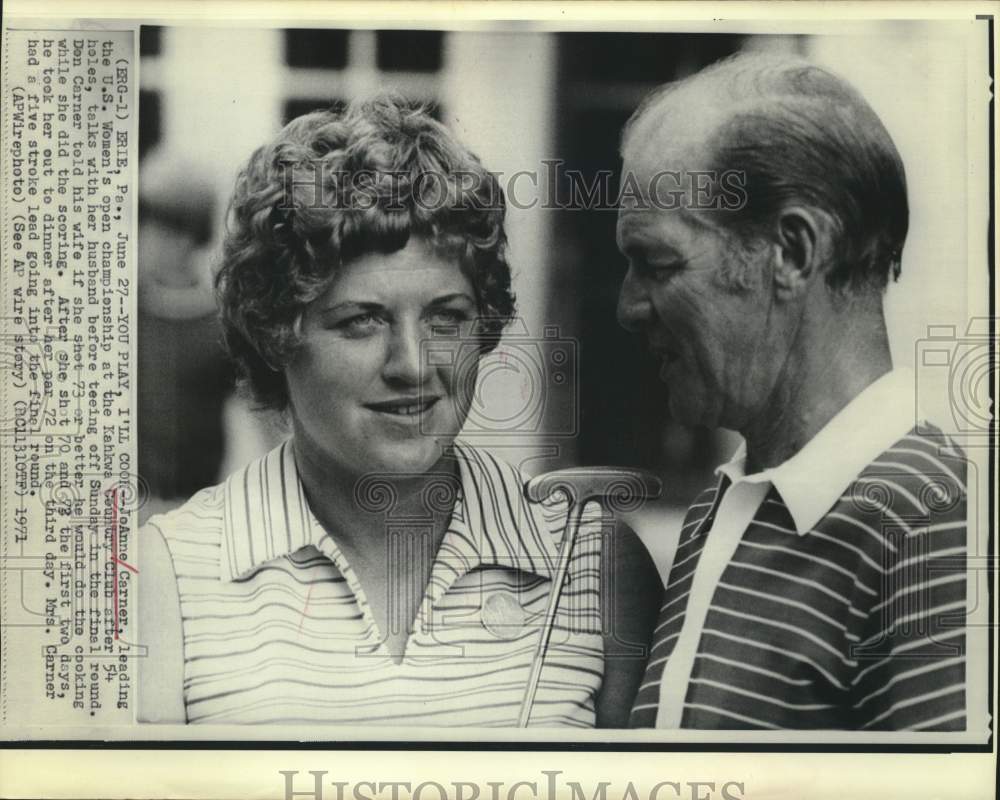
point(666, 269)
point(644, 266)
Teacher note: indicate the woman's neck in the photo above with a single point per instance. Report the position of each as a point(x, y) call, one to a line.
point(356, 510)
point(386, 531)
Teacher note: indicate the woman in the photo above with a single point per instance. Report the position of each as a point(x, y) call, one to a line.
point(372, 570)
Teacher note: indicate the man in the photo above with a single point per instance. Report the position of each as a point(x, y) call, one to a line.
point(820, 582)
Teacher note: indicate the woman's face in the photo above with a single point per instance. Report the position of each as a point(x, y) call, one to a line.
point(361, 399)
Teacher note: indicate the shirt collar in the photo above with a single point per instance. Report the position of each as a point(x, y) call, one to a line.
point(812, 480)
point(266, 516)
point(499, 526)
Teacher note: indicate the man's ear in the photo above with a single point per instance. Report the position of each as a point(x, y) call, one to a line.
point(800, 238)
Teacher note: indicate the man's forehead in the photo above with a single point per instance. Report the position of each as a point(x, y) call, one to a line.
point(666, 174)
point(640, 226)
point(672, 133)
point(660, 151)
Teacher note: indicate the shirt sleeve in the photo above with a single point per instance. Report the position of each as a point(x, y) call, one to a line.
point(911, 671)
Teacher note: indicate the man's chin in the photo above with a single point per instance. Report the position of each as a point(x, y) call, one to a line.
point(687, 413)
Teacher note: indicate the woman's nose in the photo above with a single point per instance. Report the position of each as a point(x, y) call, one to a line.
point(403, 362)
point(634, 307)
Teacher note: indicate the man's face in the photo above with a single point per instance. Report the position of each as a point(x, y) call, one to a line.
point(718, 345)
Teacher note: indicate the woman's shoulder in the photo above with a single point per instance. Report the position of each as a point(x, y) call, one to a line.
point(160, 693)
point(499, 481)
point(483, 464)
point(621, 545)
point(204, 509)
point(498, 471)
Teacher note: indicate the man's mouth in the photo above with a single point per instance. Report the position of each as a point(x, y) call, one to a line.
point(404, 407)
point(668, 359)
point(665, 355)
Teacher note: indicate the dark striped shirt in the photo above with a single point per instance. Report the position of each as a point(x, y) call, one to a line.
point(855, 623)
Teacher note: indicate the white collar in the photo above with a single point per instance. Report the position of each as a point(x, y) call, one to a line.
point(811, 481)
point(266, 516)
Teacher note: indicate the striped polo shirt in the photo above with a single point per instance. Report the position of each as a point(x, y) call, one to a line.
point(277, 629)
point(849, 617)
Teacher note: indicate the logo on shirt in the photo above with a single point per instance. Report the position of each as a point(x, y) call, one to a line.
point(503, 615)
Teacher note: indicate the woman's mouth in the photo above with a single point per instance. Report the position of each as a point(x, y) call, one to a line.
point(404, 408)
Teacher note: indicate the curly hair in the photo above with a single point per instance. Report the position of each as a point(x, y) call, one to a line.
point(334, 186)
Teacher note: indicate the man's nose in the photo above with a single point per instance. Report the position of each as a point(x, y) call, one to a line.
point(633, 303)
point(403, 360)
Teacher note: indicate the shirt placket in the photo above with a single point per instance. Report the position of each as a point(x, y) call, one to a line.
point(328, 547)
point(733, 515)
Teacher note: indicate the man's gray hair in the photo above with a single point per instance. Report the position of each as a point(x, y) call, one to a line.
point(800, 135)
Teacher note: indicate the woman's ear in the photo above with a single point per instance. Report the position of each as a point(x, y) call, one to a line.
point(801, 239)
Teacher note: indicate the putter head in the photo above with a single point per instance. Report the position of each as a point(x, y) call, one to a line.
point(617, 488)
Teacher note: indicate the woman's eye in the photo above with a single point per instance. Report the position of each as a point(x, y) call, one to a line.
point(448, 316)
point(360, 324)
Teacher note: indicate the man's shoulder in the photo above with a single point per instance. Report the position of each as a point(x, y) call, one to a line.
point(920, 480)
point(925, 460)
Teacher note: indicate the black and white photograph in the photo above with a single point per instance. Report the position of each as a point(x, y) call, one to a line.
point(617, 387)
point(457, 274)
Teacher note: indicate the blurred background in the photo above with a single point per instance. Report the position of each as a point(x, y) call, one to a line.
point(518, 98)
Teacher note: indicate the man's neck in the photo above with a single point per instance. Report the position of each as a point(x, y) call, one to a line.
point(829, 366)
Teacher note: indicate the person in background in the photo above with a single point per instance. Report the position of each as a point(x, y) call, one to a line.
point(820, 581)
point(372, 569)
point(183, 375)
